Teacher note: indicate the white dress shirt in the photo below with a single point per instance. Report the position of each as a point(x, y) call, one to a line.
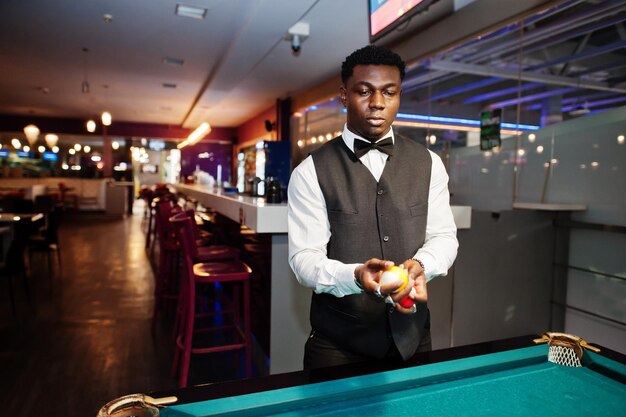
point(309, 228)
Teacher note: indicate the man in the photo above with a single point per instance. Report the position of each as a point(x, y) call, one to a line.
point(359, 204)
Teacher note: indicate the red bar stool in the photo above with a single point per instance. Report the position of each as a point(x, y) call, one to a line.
point(203, 237)
point(200, 253)
point(232, 273)
point(151, 235)
point(166, 279)
point(207, 253)
point(145, 194)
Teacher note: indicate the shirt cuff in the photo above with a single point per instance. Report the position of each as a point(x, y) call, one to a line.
point(345, 278)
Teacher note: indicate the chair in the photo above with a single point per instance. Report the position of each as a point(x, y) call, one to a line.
point(67, 197)
point(232, 275)
point(46, 239)
point(14, 262)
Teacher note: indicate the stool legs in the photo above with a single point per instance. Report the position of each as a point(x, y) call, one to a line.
point(246, 320)
point(160, 283)
point(150, 224)
point(230, 273)
point(186, 351)
point(184, 340)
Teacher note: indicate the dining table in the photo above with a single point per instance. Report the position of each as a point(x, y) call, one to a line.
point(7, 230)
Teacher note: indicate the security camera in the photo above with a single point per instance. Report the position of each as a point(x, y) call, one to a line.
point(296, 35)
point(295, 44)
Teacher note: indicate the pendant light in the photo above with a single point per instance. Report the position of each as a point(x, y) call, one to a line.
point(32, 133)
point(51, 140)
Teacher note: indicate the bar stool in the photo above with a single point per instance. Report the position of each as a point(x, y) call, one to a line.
point(201, 253)
point(232, 274)
point(161, 194)
point(145, 194)
point(166, 278)
point(203, 237)
point(166, 282)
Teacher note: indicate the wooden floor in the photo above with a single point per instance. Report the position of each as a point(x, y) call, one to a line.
point(84, 338)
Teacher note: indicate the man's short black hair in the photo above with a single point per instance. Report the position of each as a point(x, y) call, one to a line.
point(371, 55)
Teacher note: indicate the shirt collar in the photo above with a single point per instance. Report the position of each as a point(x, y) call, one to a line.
point(349, 137)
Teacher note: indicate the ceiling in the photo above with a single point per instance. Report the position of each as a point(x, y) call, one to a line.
point(567, 61)
point(236, 61)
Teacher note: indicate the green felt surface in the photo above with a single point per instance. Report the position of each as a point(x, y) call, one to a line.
point(512, 383)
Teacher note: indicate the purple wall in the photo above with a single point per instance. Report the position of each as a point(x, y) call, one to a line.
point(208, 156)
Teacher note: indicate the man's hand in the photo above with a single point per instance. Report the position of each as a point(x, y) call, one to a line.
point(416, 273)
point(369, 275)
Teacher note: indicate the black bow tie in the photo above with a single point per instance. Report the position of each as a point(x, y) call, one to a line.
point(361, 147)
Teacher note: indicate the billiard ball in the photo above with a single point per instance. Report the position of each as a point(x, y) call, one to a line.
point(407, 302)
point(394, 274)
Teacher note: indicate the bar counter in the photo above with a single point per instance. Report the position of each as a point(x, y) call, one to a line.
point(264, 217)
point(253, 212)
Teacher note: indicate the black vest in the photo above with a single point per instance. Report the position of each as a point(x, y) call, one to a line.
point(369, 219)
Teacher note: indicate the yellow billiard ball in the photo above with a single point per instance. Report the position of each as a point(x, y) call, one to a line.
point(395, 274)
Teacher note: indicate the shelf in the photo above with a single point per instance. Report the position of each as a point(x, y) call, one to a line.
point(550, 206)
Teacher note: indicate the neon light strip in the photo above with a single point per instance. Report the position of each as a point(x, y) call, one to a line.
point(451, 127)
point(451, 122)
point(462, 122)
point(467, 122)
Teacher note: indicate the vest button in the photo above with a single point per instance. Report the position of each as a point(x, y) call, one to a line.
point(379, 192)
point(386, 238)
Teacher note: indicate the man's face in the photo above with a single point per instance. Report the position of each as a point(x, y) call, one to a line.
point(372, 99)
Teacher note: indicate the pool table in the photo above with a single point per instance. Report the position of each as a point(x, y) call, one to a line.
point(510, 377)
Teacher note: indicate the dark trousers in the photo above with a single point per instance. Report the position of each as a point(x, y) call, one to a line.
point(320, 352)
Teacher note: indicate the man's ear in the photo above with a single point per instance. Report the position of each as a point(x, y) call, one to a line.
point(343, 95)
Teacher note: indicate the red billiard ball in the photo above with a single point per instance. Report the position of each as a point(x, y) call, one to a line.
point(406, 302)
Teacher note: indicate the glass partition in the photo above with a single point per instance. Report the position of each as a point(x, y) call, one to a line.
point(580, 161)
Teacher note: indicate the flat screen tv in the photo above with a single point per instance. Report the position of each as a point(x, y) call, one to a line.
point(24, 154)
point(50, 156)
point(387, 15)
point(4, 153)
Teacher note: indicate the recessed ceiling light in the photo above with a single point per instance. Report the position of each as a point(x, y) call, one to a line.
point(173, 61)
point(190, 11)
point(169, 85)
